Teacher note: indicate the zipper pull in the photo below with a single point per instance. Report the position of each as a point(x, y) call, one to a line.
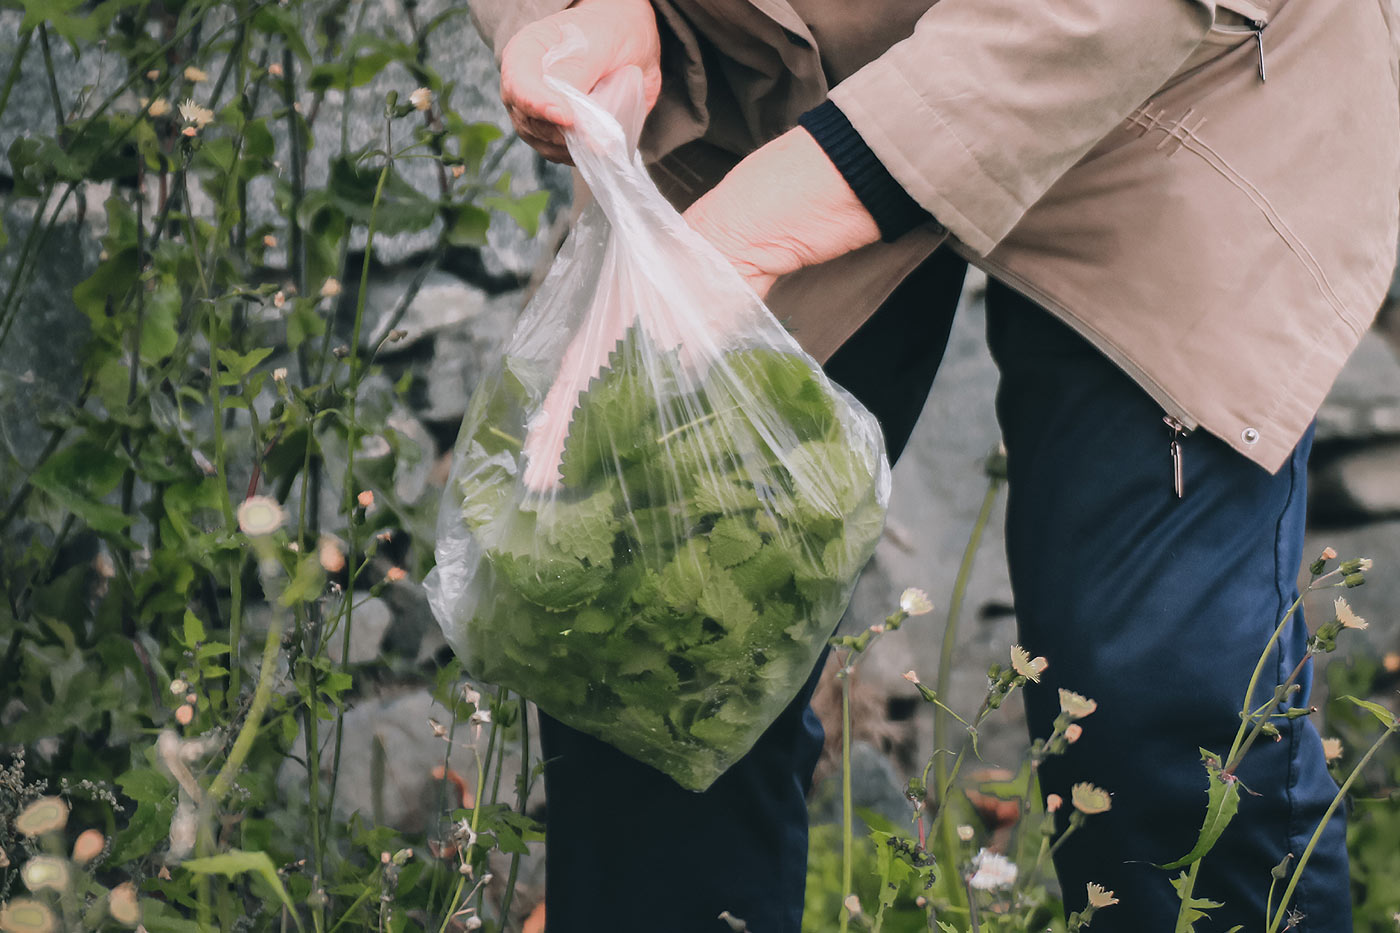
point(1179, 434)
point(1259, 42)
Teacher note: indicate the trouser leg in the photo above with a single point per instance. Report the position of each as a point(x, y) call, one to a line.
point(1157, 608)
point(628, 850)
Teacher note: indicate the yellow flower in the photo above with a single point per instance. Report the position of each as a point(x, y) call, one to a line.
point(195, 115)
point(23, 915)
point(195, 74)
point(260, 515)
point(1348, 618)
point(421, 99)
point(1098, 897)
point(1028, 667)
point(45, 815)
point(1331, 748)
point(1075, 705)
point(44, 872)
point(915, 602)
point(1089, 799)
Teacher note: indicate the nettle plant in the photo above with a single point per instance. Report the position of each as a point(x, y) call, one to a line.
point(940, 871)
point(219, 495)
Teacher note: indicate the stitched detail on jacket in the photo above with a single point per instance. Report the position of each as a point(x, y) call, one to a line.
point(1187, 138)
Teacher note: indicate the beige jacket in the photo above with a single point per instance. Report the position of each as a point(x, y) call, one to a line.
point(1205, 189)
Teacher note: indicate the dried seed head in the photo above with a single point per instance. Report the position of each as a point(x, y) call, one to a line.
point(421, 99)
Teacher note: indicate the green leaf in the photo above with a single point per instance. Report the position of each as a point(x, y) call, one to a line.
point(525, 210)
point(77, 477)
point(241, 364)
point(307, 584)
point(236, 862)
point(1386, 717)
point(402, 208)
point(302, 323)
point(1223, 801)
point(1193, 909)
point(467, 225)
point(194, 629)
point(733, 541)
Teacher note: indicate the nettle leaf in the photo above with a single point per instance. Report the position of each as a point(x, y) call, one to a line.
point(585, 528)
point(525, 210)
point(236, 862)
point(1223, 802)
point(402, 208)
point(307, 584)
point(467, 225)
point(733, 541)
point(78, 477)
point(1386, 717)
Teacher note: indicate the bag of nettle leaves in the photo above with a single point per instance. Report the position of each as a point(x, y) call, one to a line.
point(658, 504)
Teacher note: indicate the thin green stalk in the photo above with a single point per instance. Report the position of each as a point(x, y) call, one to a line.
point(521, 800)
point(1322, 824)
point(1183, 914)
point(53, 80)
point(1232, 758)
point(847, 840)
point(262, 695)
point(364, 896)
point(13, 74)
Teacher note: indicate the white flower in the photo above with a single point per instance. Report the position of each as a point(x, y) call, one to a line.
point(195, 115)
point(915, 602)
point(1331, 748)
point(1089, 799)
point(991, 871)
point(330, 287)
point(421, 99)
point(260, 515)
point(44, 872)
point(1028, 667)
point(1098, 897)
point(965, 832)
point(1075, 705)
point(279, 374)
point(852, 905)
point(480, 717)
point(1347, 617)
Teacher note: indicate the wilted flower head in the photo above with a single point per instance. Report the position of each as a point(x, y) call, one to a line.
point(915, 602)
point(45, 815)
point(481, 717)
point(195, 74)
point(159, 107)
point(330, 555)
point(1028, 667)
point(195, 115)
point(1347, 617)
point(179, 685)
point(852, 904)
point(366, 499)
point(122, 905)
point(912, 677)
point(88, 846)
point(1329, 553)
point(421, 99)
point(330, 287)
point(1089, 799)
point(184, 714)
point(269, 241)
point(1332, 748)
point(1076, 706)
point(991, 871)
point(275, 69)
point(1053, 802)
point(1098, 897)
point(395, 574)
point(1072, 732)
point(24, 915)
point(260, 515)
point(1391, 662)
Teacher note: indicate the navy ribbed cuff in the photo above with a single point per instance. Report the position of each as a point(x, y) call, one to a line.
point(895, 212)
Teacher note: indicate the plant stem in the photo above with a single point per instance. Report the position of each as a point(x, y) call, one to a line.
point(1232, 758)
point(847, 842)
point(1188, 887)
point(223, 782)
point(13, 74)
point(1317, 833)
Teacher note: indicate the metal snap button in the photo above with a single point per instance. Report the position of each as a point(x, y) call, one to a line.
point(1250, 436)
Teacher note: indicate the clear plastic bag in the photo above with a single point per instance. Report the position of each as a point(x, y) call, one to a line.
point(658, 504)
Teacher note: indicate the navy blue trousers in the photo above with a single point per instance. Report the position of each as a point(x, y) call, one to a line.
point(1155, 607)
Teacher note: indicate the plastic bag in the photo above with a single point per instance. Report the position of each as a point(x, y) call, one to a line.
point(658, 505)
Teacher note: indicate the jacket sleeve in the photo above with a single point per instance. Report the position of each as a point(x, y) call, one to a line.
point(990, 101)
point(499, 20)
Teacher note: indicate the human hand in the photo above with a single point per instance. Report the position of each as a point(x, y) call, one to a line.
point(783, 207)
point(616, 33)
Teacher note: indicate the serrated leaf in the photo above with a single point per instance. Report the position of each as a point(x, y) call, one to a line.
point(585, 528)
point(733, 541)
point(1194, 908)
point(194, 629)
point(722, 600)
point(1222, 803)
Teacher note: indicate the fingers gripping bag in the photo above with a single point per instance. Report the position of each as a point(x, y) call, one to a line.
point(658, 505)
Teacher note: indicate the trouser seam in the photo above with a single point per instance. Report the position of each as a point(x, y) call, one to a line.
point(1285, 588)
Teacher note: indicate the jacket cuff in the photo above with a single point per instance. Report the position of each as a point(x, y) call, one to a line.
point(895, 212)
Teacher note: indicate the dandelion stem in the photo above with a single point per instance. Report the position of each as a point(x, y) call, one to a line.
point(1185, 892)
point(847, 842)
point(1233, 758)
point(1322, 824)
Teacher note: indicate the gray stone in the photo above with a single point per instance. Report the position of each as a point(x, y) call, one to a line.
point(1361, 485)
point(409, 798)
point(370, 621)
point(1365, 401)
point(874, 786)
point(461, 356)
point(1378, 599)
point(442, 302)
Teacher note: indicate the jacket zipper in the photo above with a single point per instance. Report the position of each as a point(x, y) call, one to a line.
point(1170, 406)
point(1179, 433)
point(1255, 28)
